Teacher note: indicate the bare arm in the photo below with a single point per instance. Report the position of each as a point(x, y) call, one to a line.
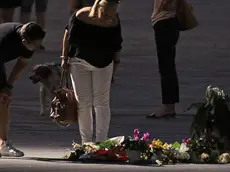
point(17, 69)
point(65, 45)
point(65, 52)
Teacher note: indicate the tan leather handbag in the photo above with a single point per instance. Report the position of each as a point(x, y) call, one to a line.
point(186, 19)
point(64, 107)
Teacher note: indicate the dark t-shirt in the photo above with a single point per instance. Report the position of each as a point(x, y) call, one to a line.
point(11, 46)
point(96, 45)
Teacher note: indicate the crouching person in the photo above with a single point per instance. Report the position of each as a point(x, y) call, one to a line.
point(19, 42)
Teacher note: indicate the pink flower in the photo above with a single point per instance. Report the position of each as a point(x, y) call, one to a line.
point(136, 137)
point(145, 136)
point(186, 140)
point(136, 134)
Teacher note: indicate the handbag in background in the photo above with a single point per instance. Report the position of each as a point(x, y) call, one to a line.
point(185, 16)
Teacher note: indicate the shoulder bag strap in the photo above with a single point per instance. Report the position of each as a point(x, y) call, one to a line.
point(64, 75)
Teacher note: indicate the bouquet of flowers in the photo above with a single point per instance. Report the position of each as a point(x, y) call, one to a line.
point(162, 153)
point(137, 147)
point(110, 150)
point(210, 127)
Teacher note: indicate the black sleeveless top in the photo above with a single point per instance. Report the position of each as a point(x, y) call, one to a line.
point(96, 45)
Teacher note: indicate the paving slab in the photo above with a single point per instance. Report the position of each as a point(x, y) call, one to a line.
point(60, 166)
point(202, 59)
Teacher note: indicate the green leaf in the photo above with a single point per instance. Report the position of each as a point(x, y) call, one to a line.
point(176, 145)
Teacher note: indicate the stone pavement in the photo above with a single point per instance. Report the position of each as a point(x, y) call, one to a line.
point(57, 166)
point(202, 59)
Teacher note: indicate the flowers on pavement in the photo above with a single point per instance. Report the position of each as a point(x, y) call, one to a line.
point(150, 151)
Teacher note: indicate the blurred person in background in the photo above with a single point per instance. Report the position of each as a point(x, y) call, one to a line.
point(166, 29)
point(7, 8)
point(78, 4)
point(40, 8)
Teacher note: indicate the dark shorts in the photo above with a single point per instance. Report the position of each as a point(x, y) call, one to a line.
point(10, 3)
point(40, 5)
point(80, 4)
point(3, 78)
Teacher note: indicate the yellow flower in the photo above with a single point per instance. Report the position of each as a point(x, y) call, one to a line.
point(157, 144)
point(75, 145)
point(166, 146)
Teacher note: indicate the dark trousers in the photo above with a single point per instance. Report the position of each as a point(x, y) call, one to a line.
point(166, 36)
point(5, 4)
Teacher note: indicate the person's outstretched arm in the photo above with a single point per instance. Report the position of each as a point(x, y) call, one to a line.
point(17, 70)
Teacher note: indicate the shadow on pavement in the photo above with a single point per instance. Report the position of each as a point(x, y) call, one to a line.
point(63, 160)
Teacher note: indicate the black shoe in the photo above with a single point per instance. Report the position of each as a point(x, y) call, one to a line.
point(167, 116)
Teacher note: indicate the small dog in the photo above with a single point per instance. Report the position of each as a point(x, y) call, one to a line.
point(49, 76)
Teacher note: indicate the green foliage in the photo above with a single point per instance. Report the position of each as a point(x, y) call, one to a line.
point(131, 144)
point(107, 144)
point(176, 145)
point(210, 125)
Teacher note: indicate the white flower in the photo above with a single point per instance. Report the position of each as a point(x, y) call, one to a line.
point(183, 147)
point(185, 155)
point(159, 162)
point(204, 156)
point(118, 140)
point(224, 158)
point(182, 153)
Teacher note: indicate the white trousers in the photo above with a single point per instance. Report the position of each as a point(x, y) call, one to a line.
point(92, 89)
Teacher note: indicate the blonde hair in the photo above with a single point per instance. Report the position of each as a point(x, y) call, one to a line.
point(100, 3)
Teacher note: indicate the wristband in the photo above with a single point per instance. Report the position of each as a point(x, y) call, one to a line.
point(64, 57)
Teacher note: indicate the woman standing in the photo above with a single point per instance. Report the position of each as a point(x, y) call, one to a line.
point(166, 36)
point(91, 41)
